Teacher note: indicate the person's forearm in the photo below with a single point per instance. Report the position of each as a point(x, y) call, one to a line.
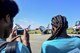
point(28, 46)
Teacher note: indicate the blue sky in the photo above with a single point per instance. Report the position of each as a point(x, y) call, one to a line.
point(40, 12)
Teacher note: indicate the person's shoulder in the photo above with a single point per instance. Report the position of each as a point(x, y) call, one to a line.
point(50, 41)
point(75, 37)
point(46, 43)
point(21, 48)
point(44, 46)
point(49, 47)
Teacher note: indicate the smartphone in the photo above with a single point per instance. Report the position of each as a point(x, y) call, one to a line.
point(20, 32)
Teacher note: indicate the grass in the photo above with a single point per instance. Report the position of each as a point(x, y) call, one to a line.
point(35, 32)
point(69, 31)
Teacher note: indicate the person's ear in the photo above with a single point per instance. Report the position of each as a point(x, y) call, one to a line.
point(7, 19)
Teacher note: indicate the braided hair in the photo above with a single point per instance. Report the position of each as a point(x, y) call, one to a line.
point(60, 23)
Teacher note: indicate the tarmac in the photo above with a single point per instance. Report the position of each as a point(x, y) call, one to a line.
point(36, 41)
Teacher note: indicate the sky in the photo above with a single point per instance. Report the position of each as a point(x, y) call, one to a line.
point(40, 12)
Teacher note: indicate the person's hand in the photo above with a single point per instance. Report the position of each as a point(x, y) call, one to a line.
point(22, 38)
point(12, 36)
point(25, 38)
point(27, 30)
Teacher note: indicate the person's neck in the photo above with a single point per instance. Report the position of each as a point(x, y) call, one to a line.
point(64, 34)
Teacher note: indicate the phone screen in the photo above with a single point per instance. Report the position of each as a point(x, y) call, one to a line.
point(20, 32)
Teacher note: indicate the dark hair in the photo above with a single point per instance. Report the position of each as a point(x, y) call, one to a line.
point(8, 7)
point(61, 24)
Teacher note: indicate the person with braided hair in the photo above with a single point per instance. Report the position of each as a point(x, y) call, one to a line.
point(60, 42)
